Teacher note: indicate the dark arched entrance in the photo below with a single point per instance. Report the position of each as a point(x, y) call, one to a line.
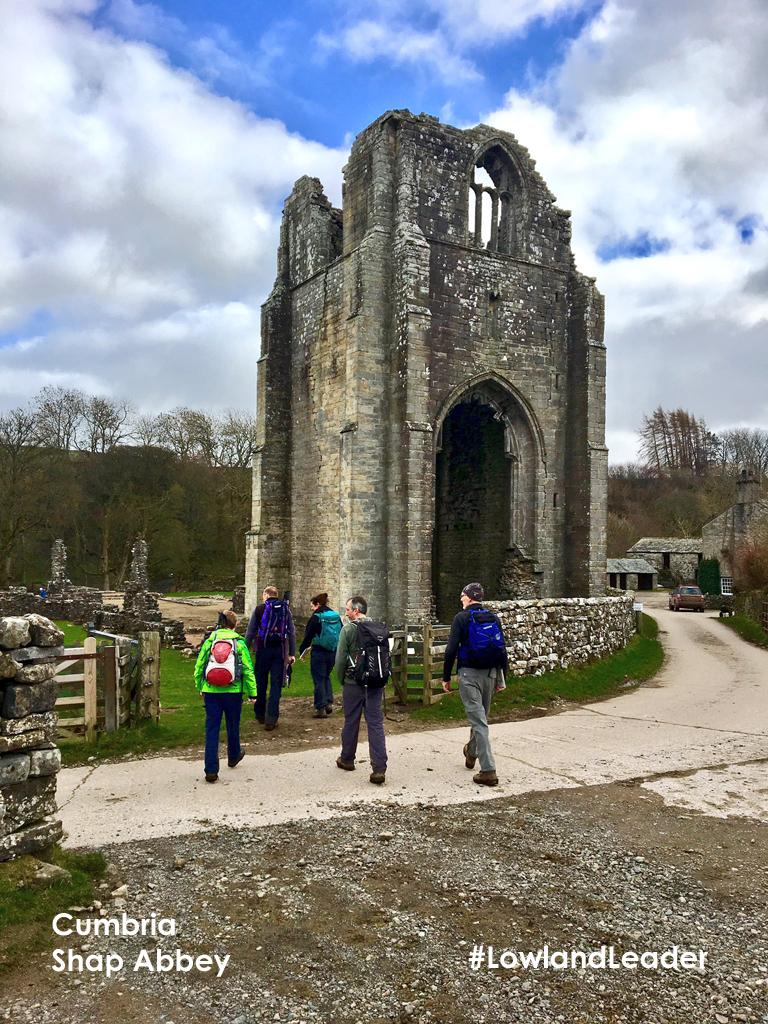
point(472, 502)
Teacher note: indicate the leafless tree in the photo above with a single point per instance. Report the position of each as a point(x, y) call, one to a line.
point(59, 414)
point(106, 422)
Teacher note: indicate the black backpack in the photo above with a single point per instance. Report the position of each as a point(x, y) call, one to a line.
point(372, 665)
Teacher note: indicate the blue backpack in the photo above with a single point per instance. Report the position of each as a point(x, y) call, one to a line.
point(274, 623)
point(330, 631)
point(485, 646)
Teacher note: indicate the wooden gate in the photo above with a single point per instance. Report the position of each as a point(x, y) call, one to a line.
point(417, 662)
point(110, 683)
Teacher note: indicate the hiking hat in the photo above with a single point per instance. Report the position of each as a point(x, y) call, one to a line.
point(474, 591)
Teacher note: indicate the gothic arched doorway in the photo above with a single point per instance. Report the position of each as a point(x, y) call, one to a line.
point(485, 499)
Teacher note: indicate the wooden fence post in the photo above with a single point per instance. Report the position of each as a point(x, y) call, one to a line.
point(404, 667)
point(426, 662)
point(90, 691)
point(149, 677)
point(109, 662)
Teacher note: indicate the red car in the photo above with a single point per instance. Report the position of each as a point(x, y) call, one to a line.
point(686, 597)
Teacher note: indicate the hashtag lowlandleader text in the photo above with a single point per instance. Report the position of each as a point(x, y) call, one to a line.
point(604, 958)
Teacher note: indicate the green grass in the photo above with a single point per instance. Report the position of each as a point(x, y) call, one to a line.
point(26, 912)
point(747, 628)
point(639, 660)
point(182, 718)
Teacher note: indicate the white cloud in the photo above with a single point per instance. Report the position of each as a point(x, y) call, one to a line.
point(136, 207)
point(654, 128)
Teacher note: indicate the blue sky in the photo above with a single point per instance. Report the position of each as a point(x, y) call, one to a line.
point(329, 94)
point(146, 150)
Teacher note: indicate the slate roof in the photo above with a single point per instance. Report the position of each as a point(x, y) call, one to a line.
point(673, 545)
point(629, 565)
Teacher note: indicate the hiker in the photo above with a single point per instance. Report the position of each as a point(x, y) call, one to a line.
point(363, 667)
point(322, 635)
point(271, 635)
point(223, 673)
point(477, 640)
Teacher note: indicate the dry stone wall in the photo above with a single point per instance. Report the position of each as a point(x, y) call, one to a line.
point(560, 632)
point(29, 758)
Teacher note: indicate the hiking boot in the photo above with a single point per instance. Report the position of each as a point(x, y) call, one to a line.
point(319, 713)
point(486, 778)
point(269, 726)
point(212, 778)
point(345, 765)
point(377, 778)
point(234, 764)
point(468, 761)
point(260, 719)
point(329, 709)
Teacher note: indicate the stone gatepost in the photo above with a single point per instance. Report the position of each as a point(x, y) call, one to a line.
point(29, 758)
point(59, 583)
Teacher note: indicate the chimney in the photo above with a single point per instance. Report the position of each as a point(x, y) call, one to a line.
point(748, 487)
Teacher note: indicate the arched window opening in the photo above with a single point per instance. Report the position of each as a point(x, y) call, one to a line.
point(496, 204)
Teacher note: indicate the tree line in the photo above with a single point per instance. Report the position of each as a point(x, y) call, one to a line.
point(686, 476)
point(93, 471)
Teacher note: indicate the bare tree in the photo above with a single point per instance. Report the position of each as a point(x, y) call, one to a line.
point(59, 413)
point(23, 483)
point(236, 439)
point(677, 441)
point(106, 422)
point(746, 448)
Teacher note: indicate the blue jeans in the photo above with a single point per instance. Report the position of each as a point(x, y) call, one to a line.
point(217, 704)
point(357, 702)
point(321, 663)
point(269, 667)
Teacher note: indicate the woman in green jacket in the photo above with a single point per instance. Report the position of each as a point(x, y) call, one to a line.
point(222, 676)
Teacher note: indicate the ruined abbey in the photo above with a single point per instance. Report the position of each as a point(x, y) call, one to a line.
point(431, 387)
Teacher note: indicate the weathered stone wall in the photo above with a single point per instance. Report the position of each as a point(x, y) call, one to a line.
point(29, 758)
point(385, 319)
point(75, 604)
point(560, 632)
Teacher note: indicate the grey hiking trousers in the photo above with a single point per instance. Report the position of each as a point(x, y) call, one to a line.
point(476, 688)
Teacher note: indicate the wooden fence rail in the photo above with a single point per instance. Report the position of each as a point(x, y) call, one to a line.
point(417, 661)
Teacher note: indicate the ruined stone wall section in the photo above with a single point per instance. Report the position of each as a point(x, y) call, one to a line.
point(29, 758)
point(558, 633)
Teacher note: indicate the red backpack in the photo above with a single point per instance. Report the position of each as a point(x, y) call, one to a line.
point(223, 668)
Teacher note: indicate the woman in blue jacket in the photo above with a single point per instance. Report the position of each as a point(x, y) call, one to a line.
point(322, 634)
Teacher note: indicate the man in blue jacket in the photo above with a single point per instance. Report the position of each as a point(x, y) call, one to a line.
point(481, 672)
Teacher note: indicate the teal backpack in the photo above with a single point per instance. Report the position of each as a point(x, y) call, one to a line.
point(330, 622)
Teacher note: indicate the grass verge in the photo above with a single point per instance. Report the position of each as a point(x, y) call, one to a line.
point(182, 718)
point(748, 629)
point(639, 660)
point(26, 912)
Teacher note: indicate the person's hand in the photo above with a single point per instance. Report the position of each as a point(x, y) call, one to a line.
point(447, 685)
point(251, 700)
point(501, 684)
point(291, 659)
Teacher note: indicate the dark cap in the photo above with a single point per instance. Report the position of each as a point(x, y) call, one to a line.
point(474, 591)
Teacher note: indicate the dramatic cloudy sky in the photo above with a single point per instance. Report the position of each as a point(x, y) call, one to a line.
point(146, 149)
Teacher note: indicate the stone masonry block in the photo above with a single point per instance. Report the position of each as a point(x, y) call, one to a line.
point(31, 838)
point(37, 654)
point(29, 698)
point(37, 739)
point(14, 768)
point(44, 762)
point(35, 673)
point(14, 632)
point(26, 802)
point(43, 632)
point(8, 666)
point(15, 726)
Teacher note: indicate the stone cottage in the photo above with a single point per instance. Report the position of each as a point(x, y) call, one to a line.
point(431, 387)
point(723, 536)
point(631, 574)
point(676, 559)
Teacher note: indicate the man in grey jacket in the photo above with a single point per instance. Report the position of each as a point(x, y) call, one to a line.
point(358, 700)
point(476, 685)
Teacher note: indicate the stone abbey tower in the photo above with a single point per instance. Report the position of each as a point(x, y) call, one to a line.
point(431, 387)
